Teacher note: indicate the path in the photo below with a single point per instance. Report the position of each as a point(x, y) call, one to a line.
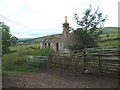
point(58, 79)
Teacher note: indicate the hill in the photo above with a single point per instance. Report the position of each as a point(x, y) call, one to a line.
point(110, 30)
point(106, 30)
point(30, 40)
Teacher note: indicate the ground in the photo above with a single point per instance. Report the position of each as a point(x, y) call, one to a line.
point(59, 79)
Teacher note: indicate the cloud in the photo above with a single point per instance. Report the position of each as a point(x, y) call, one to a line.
point(47, 16)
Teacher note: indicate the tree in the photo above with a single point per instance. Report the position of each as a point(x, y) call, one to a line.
point(6, 42)
point(80, 40)
point(91, 24)
point(13, 40)
point(7, 39)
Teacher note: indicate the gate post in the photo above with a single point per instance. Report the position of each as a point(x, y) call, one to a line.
point(99, 62)
point(83, 61)
point(48, 61)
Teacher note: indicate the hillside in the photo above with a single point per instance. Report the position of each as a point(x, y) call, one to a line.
point(106, 31)
point(110, 30)
point(31, 39)
point(38, 39)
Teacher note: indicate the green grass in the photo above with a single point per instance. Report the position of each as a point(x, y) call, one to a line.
point(109, 43)
point(109, 37)
point(9, 73)
point(22, 47)
point(110, 30)
point(15, 62)
point(20, 72)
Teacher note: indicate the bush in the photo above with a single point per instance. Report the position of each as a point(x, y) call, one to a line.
point(12, 60)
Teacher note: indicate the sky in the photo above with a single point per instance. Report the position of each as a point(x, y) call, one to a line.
point(37, 18)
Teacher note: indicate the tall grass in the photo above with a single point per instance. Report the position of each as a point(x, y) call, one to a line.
point(15, 61)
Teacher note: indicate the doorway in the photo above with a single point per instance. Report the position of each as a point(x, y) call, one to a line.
point(57, 47)
point(45, 45)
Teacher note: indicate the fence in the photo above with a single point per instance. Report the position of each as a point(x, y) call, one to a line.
point(66, 61)
point(96, 60)
point(36, 60)
point(102, 60)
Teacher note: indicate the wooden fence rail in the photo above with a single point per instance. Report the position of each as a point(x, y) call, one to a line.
point(94, 60)
point(36, 60)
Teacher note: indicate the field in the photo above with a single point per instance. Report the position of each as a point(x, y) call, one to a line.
point(22, 47)
point(113, 43)
point(110, 30)
point(15, 62)
point(17, 74)
point(110, 37)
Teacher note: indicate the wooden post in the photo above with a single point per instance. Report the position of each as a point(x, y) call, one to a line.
point(64, 62)
point(52, 61)
point(99, 62)
point(55, 62)
point(83, 61)
point(48, 61)
point(51, 57)
point(75, 63)
point(60, 63)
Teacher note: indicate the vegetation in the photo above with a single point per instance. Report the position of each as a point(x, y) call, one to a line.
point(90, 34)
point(84, 39)
point(15, 62)
point(91, 24)
point(109, 37)
point(7, 38)
point(110, 30)
point(108, 43)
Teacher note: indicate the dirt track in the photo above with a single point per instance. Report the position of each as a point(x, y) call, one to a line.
point(58, 79)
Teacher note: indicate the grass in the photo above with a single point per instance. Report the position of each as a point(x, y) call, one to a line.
point(109, 43)
point(14, 63)
point(9, 73)
point(110, 30)
point(20, 71)
point(22, 47)
point(105, 37)
point(109, 37)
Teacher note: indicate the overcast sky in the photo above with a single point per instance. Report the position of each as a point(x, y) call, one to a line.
point(45, 17)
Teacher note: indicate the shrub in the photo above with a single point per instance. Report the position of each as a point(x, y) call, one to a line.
point(12, 60)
